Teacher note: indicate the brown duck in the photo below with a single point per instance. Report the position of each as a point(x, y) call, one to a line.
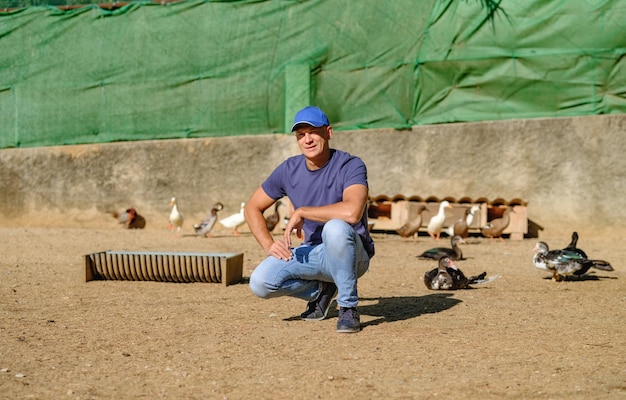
point(129, 218)
point(410, 228)
point(496, 226)
point(273, 219)
point(460, 227)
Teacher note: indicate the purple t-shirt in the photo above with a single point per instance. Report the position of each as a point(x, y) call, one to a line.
point(319, 188)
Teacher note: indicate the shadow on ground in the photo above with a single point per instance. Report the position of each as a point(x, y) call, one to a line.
point(391, 309)
point(582, 278)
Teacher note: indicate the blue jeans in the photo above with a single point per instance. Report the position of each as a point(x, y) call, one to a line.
point(341, 258)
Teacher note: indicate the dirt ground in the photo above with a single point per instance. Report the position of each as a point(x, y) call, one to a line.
point(521, 336)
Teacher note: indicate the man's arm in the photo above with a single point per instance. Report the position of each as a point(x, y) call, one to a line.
point(350, 209)
point(253, 211)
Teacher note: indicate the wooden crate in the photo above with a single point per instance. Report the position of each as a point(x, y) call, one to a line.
point(391, 215)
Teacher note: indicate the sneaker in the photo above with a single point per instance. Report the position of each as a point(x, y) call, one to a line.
point(349, 321)
point(317, 309)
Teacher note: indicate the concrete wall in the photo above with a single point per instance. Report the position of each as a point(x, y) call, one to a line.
point(571, 171)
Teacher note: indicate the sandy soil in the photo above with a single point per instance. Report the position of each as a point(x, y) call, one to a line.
point(522, 336)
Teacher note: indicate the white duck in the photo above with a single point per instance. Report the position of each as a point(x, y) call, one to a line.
point(435, 225)
point(176, 218)
point(235, 221)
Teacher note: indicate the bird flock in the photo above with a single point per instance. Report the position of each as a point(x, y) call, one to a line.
point(130, 219)
point(494, 229)
point(567, 263)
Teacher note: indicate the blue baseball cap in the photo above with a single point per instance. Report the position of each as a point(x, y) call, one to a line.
point(311, 116)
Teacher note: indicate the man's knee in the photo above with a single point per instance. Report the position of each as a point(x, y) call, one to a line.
point(336, 230)
point(258, 285)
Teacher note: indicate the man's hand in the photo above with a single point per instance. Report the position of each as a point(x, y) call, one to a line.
point(280, 250)
point(295, 222)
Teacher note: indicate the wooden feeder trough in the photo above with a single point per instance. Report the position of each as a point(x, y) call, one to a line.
point(391, 213)
point(225, 268)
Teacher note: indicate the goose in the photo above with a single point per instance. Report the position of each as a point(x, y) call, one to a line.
point(563, 263)
point(176, 218)
point(447, 276)
point(410, 228)
point(435, 225)
point(234, 221)
point(206, 225)
point(496, 226)
point(453, 253)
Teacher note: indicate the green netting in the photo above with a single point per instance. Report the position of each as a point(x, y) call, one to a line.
point(217, 68)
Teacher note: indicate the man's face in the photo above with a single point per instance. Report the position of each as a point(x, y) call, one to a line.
point(313, 142)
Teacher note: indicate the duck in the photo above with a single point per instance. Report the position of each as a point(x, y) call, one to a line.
point(234, 221)
point(273, 219)
point(435, 225)
point(470, 216)
point(175, 219)
point(447, 276)
point(461, 226)
point(206, 225)
point(496, 226)
point(410, 228)
point(573, 243)
point(122, 217)
point(563, 263)
point(453, 253)
point(135, 221)
point(129, 218)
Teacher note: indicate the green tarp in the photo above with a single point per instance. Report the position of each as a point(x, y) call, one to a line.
point(221, 68)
